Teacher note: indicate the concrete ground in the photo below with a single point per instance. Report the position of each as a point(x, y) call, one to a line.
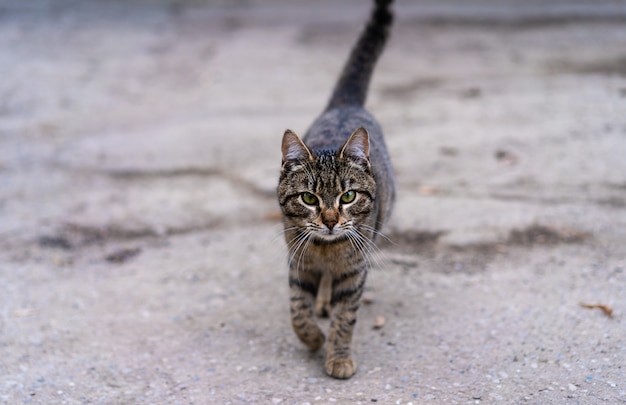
point(141, 256)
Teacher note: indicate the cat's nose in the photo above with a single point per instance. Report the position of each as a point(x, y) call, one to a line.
point(330, 223)
point(330, 218)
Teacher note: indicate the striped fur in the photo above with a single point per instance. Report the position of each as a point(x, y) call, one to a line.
point(336, 190)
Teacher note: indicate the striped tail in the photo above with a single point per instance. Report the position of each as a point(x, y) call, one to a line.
point(351, 89)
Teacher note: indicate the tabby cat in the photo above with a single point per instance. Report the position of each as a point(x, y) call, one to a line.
point(336, 190)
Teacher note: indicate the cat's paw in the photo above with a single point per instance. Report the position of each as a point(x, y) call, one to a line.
point(340, 368)
point(313, 339)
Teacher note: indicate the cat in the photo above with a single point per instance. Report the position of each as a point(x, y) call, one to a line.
point(336, 190)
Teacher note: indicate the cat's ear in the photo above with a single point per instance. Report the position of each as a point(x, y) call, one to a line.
point(294, 148)
point(357, 146)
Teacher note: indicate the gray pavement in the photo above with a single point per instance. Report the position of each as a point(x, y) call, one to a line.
point(141, 255)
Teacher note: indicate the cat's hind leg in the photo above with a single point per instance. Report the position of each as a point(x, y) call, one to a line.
point(303, 287)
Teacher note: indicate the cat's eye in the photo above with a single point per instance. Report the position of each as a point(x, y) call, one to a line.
point(309, 198)
point(348, 197)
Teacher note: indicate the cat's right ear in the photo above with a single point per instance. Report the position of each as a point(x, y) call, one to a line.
point(294, 148)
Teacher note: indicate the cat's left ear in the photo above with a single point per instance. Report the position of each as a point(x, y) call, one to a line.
point(357, 146)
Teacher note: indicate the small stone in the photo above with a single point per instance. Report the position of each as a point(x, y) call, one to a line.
point(374, 370)
point(506, 157)
point(571, 387)
point(379, 322)
point(367, 299)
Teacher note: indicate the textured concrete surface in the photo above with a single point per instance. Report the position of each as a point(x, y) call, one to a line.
point(141, 255)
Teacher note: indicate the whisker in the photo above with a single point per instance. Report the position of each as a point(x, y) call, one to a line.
point(378, 233)
point(298, 246)
point(375, 255)
point(282, 232)
point(360, 247)
point(295, 244)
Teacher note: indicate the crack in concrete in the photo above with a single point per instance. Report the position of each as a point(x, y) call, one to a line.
point(230, 177)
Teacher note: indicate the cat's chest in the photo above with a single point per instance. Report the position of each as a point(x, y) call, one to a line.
point(334, 258)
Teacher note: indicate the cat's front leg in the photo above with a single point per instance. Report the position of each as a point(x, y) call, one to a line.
point(303, 287)
point(324, 294)
point(347, 291)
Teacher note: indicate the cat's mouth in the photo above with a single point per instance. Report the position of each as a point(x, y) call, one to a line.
point(332, 236)
point(329, 239)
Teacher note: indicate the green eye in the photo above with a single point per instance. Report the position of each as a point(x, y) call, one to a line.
point(348, 197)
point(309, 198)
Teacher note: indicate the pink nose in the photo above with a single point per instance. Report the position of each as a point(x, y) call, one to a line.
point(330, 223)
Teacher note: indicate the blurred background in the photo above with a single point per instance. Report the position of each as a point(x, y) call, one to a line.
point(141, 255)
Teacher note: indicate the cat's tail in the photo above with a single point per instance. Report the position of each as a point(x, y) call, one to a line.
point(351, 89)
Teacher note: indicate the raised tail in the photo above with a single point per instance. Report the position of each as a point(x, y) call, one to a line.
point(351, 89)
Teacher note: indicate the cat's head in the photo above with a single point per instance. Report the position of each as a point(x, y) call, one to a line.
point(326, 195)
